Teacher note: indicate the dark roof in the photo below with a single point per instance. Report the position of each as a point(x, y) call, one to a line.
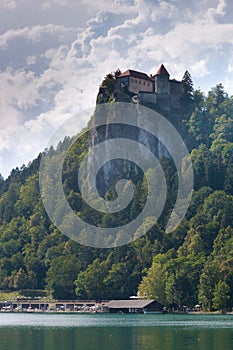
point(162, 71)
point(134, 73)
point(127, 304)
point(175, 81)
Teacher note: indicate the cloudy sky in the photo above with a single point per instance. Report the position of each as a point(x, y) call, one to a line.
point(55, 53)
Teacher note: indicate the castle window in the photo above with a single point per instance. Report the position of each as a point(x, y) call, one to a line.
point(148, 84)
point(135, 80)
point(144, 83)
point(139, 81)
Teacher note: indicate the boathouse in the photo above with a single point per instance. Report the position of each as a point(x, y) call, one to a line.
point(135, 306)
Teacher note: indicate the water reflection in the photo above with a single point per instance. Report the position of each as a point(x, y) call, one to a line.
point(121, 336)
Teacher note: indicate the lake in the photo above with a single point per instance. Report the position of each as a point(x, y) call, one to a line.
point(115, 332)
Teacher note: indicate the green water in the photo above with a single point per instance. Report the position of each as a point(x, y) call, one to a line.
point(116, 332)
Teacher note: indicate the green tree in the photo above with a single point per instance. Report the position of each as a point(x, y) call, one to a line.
point(208, 280)
point(184, 273)
point(223, 128)
point(61, 276)
point(20, 280)
point(221, 296)
point(89, 283)
point(109, 83)
point(172, 294)
point(187, 94)
point(198, 100)
point(28, 196)
point(216, 97)
point(199, 127)
point(154, 282)
point(117, 286)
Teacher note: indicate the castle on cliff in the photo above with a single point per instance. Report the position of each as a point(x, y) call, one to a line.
point(158, 89)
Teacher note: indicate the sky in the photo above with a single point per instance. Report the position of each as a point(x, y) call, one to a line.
point(55, 53)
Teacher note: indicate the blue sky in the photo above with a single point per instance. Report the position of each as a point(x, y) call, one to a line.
point(55, 53)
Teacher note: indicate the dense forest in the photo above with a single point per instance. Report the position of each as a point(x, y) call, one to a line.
point(191, 265)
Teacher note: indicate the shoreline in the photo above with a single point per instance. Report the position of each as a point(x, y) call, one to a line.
point(106, 313)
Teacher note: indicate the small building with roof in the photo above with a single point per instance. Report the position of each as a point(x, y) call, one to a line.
point(135, 306)
point(135, 81)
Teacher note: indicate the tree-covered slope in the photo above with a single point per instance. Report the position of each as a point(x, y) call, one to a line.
point(193, 264)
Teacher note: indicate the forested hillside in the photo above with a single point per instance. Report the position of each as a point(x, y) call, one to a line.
point(193, 264)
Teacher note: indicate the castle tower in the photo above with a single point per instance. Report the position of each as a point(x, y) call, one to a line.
point(161, 79)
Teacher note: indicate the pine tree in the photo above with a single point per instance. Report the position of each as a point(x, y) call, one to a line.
point(187, 94)
point(109, 83)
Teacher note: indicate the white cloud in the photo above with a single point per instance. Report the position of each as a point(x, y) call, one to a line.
point(8, 4)
point(165, 10)
point(220, 10)
point(31, 60)
point(200, 68)
point(19, 88)
point(230, 67)
point(57, 69)
point(33, 34)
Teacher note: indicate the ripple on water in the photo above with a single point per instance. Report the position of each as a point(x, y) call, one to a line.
point(114, 320)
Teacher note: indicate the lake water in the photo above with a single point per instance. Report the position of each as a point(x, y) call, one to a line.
point(115, 332)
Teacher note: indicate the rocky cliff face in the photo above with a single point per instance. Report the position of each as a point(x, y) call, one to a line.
point(106, 127)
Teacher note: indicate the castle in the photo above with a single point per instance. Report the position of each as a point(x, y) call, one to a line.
point(157, 89)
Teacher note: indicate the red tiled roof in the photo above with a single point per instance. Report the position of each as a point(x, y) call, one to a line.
point(162, 71)
point(134, 73)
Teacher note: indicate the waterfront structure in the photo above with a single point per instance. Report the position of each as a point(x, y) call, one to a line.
point(135, 306)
